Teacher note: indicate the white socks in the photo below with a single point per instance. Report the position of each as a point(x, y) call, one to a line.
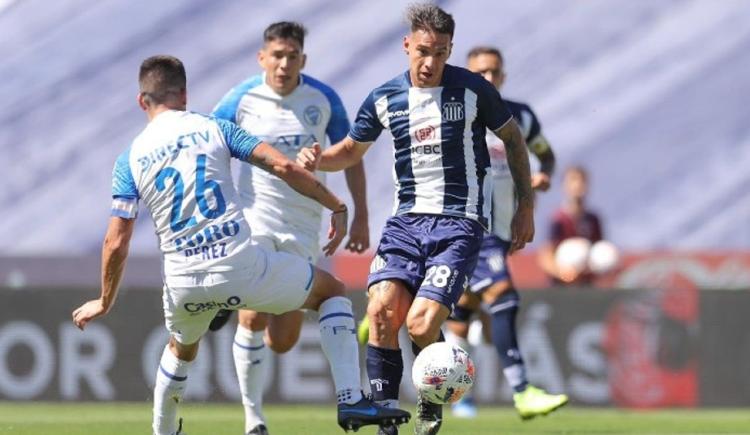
point(250, 359)
point(339, 343)
point(171, 380)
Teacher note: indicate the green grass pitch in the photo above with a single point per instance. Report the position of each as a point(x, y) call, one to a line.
point(218, 419)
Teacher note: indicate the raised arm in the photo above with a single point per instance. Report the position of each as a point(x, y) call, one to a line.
point(540, 147)
point(343, 155)
point(304, 182)
point(522, 226)
point(114, 255)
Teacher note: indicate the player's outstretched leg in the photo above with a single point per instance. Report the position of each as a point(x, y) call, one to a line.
point(423, 323)
point(529, 400)
point(171, 380)
point(387, 306)
point(339, 343)
point(250, 358)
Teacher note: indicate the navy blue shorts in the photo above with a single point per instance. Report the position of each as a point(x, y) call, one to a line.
point(433, 254)
point(492, 265)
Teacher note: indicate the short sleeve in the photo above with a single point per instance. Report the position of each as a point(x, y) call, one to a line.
point(240, 144)
point(338, 125)
point(124, 190)
point(367, 126)
point(227, 107)
point(492, 108)
point(556, 232)
point(531, 125)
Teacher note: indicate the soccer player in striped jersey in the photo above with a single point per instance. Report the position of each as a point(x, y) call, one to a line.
point(491, 283)
point(178, 166)
point(288, 110)
point(438, 115)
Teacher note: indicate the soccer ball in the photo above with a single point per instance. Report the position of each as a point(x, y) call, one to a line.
point(603, 257)
point(442, 373)
point(573, 253)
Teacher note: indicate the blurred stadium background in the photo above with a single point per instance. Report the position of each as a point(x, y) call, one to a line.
point(650, 96)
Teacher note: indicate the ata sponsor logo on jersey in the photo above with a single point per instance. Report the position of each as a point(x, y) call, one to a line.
point(312, 115)
point(453, 111)
point(232, 302)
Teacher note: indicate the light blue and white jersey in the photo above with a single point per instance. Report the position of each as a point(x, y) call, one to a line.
point(309, 114)
point(503, 188)
point(178, 166)
point(441, 157)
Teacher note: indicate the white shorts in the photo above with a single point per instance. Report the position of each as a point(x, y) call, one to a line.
point(280, 283)
point(280, 236)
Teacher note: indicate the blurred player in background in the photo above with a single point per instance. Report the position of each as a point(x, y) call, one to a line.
point(179, 167)
point(572, 219)
point(438, 115)
point(491, 283)
point(288, 110)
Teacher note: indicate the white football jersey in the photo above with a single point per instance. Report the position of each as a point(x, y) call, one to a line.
point(307, 115)
point(503, 188)
point(179, 167)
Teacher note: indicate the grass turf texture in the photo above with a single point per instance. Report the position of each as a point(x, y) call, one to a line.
point(218, 419)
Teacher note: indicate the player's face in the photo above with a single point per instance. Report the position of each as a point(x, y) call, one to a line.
point(282, 60)
point(575, 185)
point(428, 52)
point(490, 67)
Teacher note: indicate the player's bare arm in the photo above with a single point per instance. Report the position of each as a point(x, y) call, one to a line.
point(337, 157)
point(114, 256)
point(359, 232)
point(522, 226)
point(540, 147)
point(304, 182)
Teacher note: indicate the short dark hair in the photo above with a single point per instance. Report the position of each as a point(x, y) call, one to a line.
point(430, 18)
point(285, 30)
point(161, 77)
point(484, 49)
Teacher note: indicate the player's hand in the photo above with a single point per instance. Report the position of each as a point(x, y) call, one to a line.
point(540, 181)
point(337, 232)
point(309, 158)
point(88, 312)
point(522, 227)
point(359, 234)
point(568, 275)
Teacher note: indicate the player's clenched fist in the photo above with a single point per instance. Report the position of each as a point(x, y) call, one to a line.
point(309, 157)
point(87, 312)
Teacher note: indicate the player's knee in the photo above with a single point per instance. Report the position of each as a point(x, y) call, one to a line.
point(423, 328)
point(282, 343)
point(184, 352)
point(252, 320)
point(497, 290)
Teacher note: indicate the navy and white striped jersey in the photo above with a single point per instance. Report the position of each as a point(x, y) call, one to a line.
point(503, 188)
point(440, 150)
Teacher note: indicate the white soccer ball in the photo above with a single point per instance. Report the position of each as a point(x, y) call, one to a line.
point(442, 373)
point(573, 253)
point(603, 257)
